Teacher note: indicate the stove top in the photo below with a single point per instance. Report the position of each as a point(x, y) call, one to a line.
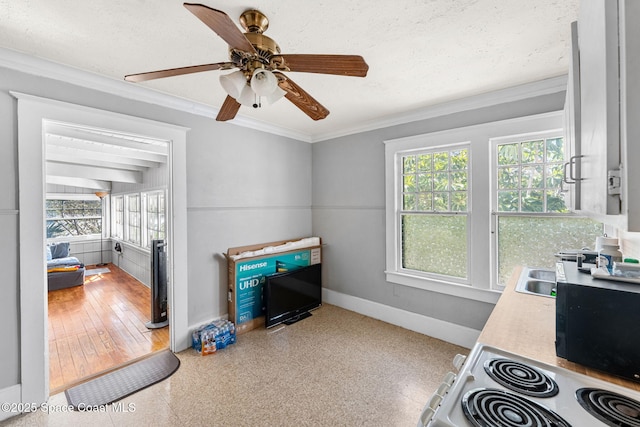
point(498, 388)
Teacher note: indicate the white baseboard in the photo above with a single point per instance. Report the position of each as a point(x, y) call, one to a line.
point(10, 395)
point(449, 332)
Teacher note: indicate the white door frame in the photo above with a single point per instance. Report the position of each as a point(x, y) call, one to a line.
point(32, 112)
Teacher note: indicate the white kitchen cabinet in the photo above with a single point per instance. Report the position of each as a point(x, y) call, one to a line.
point(608, 122)
point(571, 184)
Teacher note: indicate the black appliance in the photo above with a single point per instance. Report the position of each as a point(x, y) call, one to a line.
point(289, 296)
point(159, 317)
point(597, 321)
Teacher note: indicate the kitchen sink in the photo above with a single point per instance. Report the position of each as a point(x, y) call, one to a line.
point(537, 281)
point(539, 287)
point(545, 275)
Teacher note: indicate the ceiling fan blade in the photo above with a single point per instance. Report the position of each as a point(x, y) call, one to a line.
point(222, 25)
point(301, 99)
point(228, 110)
point(343, 65)
point(178, 71)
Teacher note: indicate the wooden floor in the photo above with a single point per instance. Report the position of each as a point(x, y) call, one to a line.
point(98, 327)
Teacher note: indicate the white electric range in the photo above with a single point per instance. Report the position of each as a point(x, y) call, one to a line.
point(497, 388)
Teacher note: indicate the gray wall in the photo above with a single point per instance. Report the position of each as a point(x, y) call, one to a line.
point(349, 212)
point(244, 187)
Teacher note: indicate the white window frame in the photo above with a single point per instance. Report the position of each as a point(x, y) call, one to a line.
point(127, 224)
point(145, 243)
point(76, 196)
point(145, 212)
point(117, 224)
point(524, 137)
point(400, 211)
point(479, 286)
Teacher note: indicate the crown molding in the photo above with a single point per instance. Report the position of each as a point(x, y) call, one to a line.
point(40, 67)
point(45, 68)
point(515, 93)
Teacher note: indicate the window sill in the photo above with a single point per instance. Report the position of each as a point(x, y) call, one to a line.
point(447, 288)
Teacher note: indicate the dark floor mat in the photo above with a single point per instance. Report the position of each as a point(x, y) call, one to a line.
point(123, 382)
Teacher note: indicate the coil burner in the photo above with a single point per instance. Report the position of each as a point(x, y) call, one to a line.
point(522, 378)
point(611, 408)
point(486, 407)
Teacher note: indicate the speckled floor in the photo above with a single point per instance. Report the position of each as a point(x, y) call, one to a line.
point(336, 368)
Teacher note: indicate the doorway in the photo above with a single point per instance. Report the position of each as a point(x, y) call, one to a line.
point(33, 113)
point(102, 186)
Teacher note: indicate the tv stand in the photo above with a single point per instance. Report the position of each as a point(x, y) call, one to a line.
point(297, 318)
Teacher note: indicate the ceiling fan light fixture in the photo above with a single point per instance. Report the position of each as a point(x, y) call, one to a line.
point(275, 96)
point(264, 82)
point(247, 97)
point(234, 84)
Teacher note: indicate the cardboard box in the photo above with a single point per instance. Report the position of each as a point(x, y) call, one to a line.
point(247, 276)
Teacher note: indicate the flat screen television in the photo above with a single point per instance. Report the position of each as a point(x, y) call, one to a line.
point(289, 296)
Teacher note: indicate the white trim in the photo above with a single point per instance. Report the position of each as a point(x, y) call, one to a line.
point(446, 331)
point(516, 93)
point(40, 67)
point(480, 255)
point(443, 287)
point(10, 395)
point(34, 349)
point(33, 111)
point(72, 196)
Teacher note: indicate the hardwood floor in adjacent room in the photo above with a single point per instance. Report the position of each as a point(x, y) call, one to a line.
point(98, 327)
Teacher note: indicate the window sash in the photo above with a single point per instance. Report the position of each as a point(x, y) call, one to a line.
point(138, 218)
point(133, 217)
point(421, 158)
point(545, 186)
point(73, 217)
point(444, 262)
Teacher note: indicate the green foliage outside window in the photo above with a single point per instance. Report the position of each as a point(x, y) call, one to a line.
point(67, 218)
point(436, 181)
point(529, 176)
point(435, 194)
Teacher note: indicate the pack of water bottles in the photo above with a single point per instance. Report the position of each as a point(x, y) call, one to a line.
point(213, 336)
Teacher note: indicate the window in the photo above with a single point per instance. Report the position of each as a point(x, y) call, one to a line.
point(139, 218)
point(464, 206)
point(118, 217)
point(155, 216)
point(531, 215)
point(134, 228)
point(434, 191)
point(73, 217)
point(529, 175)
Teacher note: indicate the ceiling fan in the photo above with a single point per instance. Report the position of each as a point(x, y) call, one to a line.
point(260, 65)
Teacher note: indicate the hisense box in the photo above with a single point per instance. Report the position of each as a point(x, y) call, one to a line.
point(248, 271)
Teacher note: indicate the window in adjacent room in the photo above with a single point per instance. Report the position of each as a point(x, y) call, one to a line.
point(133, 222)
point(155, 213)
point(73, 216)
point(117, 227)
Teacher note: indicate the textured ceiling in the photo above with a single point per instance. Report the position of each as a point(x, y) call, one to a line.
point(420, 52)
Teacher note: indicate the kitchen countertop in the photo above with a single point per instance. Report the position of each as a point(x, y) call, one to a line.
point(525, 324)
